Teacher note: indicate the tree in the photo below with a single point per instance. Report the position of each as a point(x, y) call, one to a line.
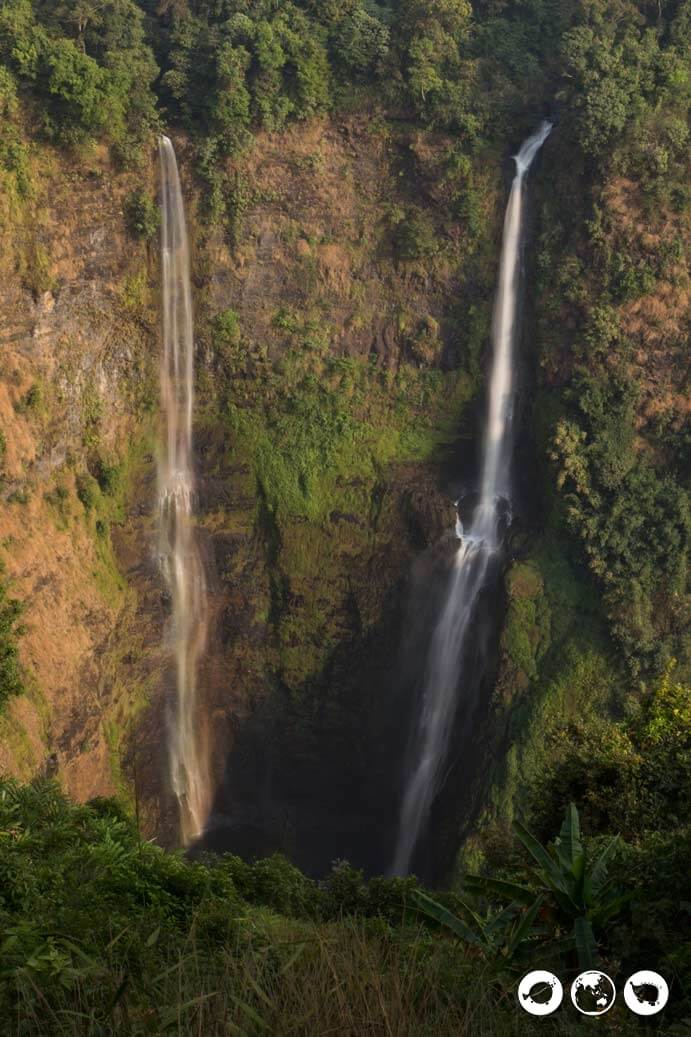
point(431, 37)
point(232, 108)
point(87, 63)
point(77, 87)
point(361, 43)
point(610, 77)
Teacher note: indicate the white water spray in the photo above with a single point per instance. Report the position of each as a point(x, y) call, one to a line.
point(178, 549)
point(482, 540)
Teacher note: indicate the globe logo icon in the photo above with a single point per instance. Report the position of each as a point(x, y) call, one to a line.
point(540, 992)
point(646, 992)
point(593, 992)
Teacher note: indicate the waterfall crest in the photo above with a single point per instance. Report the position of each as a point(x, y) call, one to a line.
point(481, 541)
point(178, 549)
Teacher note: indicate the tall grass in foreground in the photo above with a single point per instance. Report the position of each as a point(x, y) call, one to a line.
point(280, 978)
point(277, 978)
point(102, 933)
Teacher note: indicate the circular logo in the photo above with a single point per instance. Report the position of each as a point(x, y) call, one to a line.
point(593, 992)
point(540, 992)
point(646, 992)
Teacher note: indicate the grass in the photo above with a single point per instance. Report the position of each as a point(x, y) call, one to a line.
point(108, 579)
point(17, 743)
point(528, 621)
point(59, 499)
point(104, 933)
point(104, 499)
point(129, 694)
point(135, 293)
point(281, 977)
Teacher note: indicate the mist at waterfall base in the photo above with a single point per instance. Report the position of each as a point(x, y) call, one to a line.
point(178, 550)
point(479, 545)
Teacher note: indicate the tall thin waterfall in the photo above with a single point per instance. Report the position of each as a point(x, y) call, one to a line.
point(481, 542)
point(178, 549)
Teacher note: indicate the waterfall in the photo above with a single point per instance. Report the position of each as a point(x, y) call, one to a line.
point(476, 546)
point(178, 549)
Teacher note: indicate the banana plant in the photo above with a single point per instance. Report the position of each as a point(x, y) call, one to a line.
point(579, 888)
point(501, 937)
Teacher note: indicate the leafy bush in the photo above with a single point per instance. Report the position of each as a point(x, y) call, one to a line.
point(88, 490)
point(108, 475)
point(565, 879)
point(629, 776)
point(227, 338)
point(142, 214)
point(415, 236)
point(32, 400)
point(145, 941)
point(10, 629)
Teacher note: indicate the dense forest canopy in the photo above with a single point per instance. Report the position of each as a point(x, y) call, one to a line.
point(220, 69)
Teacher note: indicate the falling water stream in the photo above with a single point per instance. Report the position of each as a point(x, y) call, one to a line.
point(479, 544)
point(178, 549)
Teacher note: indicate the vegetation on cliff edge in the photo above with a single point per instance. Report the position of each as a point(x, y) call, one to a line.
point(102, 931)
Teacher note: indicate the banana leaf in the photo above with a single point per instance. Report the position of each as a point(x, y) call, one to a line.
point(568, 845)
point(597, 875)
point(446, 918)
point(524, 926)
point(499, 888)
point(550, 870)
point(586, 947)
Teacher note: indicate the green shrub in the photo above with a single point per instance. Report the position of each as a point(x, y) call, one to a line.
point(226, 326)
point(108, 475)
point(21, 496)
point(32, 400)
point(10, 629)
point(88, 490)
point(142, 215)
point(14, 157)
point(276, 883)
point(9, 104)
point(415, 236)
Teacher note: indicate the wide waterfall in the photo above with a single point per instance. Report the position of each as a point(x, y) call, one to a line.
point(178, 549)
point(479, 544)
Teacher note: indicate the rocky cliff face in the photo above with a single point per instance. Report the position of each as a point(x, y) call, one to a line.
point(338, 334)
point(77, 376)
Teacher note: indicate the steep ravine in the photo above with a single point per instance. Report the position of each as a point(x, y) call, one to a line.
point(332, 369)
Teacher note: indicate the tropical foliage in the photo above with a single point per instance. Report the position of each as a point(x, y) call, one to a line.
point(569, 893)
point(104, 931)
